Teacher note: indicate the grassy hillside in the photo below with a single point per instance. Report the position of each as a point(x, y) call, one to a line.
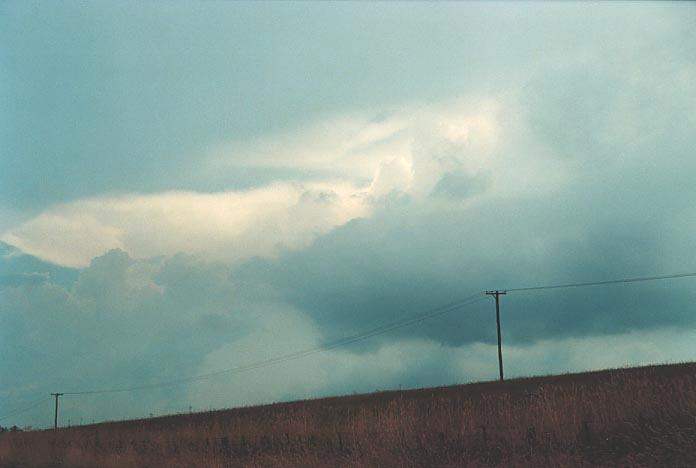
point(627, 417)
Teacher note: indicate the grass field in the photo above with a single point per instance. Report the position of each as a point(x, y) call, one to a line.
point(627, 417)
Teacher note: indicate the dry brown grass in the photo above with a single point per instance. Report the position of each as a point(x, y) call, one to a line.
point(627, 417)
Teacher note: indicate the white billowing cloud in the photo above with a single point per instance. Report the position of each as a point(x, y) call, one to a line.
point(407, 149)
point(362, 158)
point(225, 226)
point(349, 145)
point(394, 175)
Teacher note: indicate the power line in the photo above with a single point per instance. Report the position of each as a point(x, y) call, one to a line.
point(497, 294)
point(32, 405)
point(411, 320)
point(601, 283)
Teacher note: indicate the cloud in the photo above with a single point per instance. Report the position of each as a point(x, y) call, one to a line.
point(121, 323)
point(13, 263)
point(361, 160)
point(405, 261)
point(128, 322)
point(184, 317)
point(558, 156)
point(563, 196)
point(405, 149)
point(460, 185)
point(414, 363)
point(225, 226)
point(428, 204)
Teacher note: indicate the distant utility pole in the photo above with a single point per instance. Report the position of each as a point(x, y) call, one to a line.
point(497, 295)
point(55, 416)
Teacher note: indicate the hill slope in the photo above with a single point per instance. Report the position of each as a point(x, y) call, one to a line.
point(638, 417)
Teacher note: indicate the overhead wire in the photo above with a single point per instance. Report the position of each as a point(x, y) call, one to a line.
point(602, 283)
point(411, 320)
point(31, 406)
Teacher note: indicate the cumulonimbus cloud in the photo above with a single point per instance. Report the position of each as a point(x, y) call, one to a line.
point(225, 226)
point(363, 159)
point(411, 146)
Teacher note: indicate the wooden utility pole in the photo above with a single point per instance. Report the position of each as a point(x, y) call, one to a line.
point(55, 415)
point(497, 295)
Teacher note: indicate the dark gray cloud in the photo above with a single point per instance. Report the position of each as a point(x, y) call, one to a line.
point(363, 275)
point(623, 146)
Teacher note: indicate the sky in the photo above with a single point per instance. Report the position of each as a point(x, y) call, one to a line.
point(190, 187)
